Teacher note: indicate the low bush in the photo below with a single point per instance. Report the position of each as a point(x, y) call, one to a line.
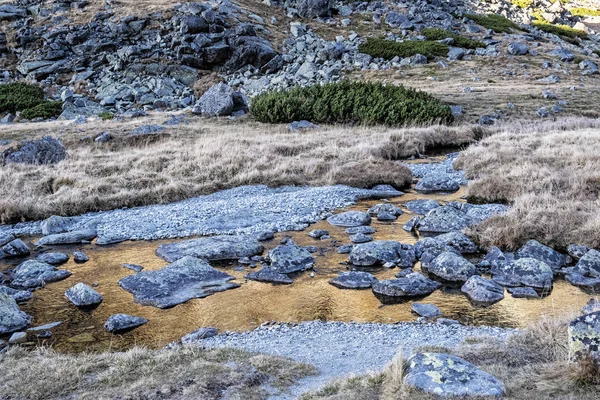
point(564, 31)
point(106, 116)
point(29, 99)
point(522, 3)
point(350, 102)
point(45, 110)
point(497, 23)
point(387, 49)
point(585, 12)
point(459, 41)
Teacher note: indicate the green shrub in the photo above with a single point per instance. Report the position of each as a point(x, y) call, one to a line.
point(564, 31)
point(106, 115)
point(18, 96)
point(45, 110)
point(350, 102)
point(497, 23)
point(459, 41)
point(597, 52)
point(387, 49)
point(585, 12)
point(522, 3)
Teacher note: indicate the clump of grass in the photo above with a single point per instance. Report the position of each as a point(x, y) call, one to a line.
point(585, 12)
point(564, 31)
point(497, 23)
point(185, 372)
point(106, 116)
point(29, 99)
point(351, 102)
point(522, 3)
point(459, 41)
point(388, 49)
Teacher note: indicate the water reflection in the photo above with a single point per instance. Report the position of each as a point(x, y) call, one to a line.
point(308, 298)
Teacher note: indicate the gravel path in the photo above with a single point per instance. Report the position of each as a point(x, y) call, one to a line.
point(245, 209)
point(340, 349)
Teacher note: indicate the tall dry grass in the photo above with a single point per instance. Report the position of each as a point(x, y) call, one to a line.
point(203, 157)
point(549, 173)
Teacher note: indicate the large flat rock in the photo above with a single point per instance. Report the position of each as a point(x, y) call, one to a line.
point(224, 247)
point(185, 279)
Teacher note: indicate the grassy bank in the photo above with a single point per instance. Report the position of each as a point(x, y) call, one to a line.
point(202, 157)
point(549, 173)
point(183, 373)
point(532, 365)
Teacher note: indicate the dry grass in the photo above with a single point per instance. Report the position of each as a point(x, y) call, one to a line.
point(532, 365)
point(549, 173)
point(202, 157)
point(183, 373)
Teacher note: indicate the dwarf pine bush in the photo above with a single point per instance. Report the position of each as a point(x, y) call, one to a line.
point(29, 99)
point(388, 49)
point(459, 41)
point(351, 102)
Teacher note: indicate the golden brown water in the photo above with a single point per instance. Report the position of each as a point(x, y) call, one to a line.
point(255, 302)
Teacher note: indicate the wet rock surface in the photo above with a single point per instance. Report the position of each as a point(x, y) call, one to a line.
point(224, 247)
point(447, 375)
point(185, 279)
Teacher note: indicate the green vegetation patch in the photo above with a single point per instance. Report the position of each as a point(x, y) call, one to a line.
point(497, 23)
point(459, 41)
point(585, 12)
point(106, 116)
point(29, 99)
point(522, 3)
point(350, 102)
point(564, 31)
point(387, 49)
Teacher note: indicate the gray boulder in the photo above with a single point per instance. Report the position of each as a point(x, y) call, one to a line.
point(289, 258)
point(422, 206)
point(450, 267)
point(523, 292)
point(411, 224)
point(396, 20)
point(482, 291)
point(551, 257)
point(449, 376)
point(365, 230)
point(525, 272)
point(375, 253)
point(119, 323)
point(12, 318)
point(224, 247)
point(199, 334)
point(19, 295)
point(459, 241)
point(80, 257)
point(425, 310)
point(433, 183)
point(313, 8)
point(361, 238)
point(354, 280)
point(14, 248)
point(318, 233)
point(517, 49)
point(443, 219)
point(576, 251)
point(350, 219)
point(267, 274)
point(46, 150)
point(589, 264)
point(216, 101)
point(585, 283)
point(591, 306)
point(412, 285)
point(185, 279)
point(83, 295)
point(74, 237)
point(385, 207)
point(53, 258)
point(33, 274)
point(584, 337)
point(58, 224)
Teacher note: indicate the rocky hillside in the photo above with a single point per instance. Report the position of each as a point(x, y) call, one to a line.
point(122, 57)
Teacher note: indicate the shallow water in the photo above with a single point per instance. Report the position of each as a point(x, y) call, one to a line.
point(254, 303)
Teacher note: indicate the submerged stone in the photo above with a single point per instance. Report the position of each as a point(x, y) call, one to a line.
point(354, 280)
point(223, 247)
point(449, 376)
point(32, 274)
point(118, 323)
point(266, 274)
point(385, 208)
point(366, 230)
point(185, 279)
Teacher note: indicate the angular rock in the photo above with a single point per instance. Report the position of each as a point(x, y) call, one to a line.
point(19, 295)
point(366, 230)
point(216, 102)
point(361, 238)
point(46, 150)
point(442, 220)
point(80, 257)
point(185, 279)
point(199, 334)
point(74, 237)
point(58, 224)
point(591, 306)
point(224, 247)
point(482, 291)
point(434, 183)
point(313, 8)
point(14, 248)
point(375, 253)
point(584, 337)
point(118, 323)
point(450, 267)
point(412, 285)
point(422, 206)
point(83, 295)
point(12, 318)
point(551, 257)
point(354, 280)
point(450, 376)
point(587, 284)
point(425, 310)
point(267, 274)
point(318, 233)
point(33, 274)
point(289, 258)
point(53, 258)
point(577, 251)
point(411, 224)
point(589, 264)
point(525, 272)
point(350, 219)
point(385, 207)
point(459, 241)
point(523, 292)
point(17, 337)
point(517, 49)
